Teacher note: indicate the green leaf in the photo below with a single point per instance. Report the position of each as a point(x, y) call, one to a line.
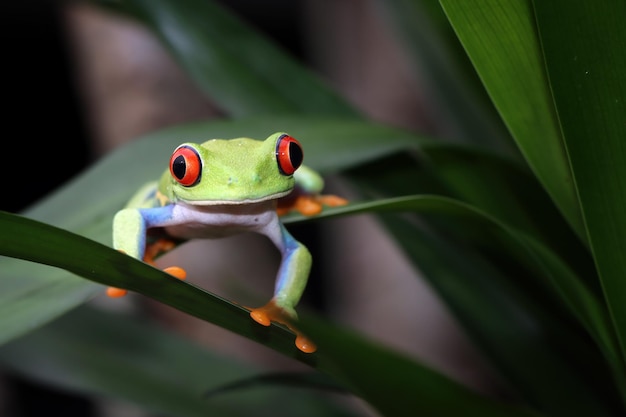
point(104, 265)
point(497, 185)
point(501, 40)
point(45, 244)
point(31, 295)
point(129, 358)
point(583, 45)
point(544, 359)
point(529, 342)
point(312, 380)
point(233, 64)
point(485, 230)
point(395, 385)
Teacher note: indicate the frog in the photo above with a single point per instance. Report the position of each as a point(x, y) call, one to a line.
point(222, 187)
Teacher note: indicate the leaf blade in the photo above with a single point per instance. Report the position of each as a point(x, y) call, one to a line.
point(501, 40)
point(233, 64)
point(134, 360)
point(584, 59)
point(400, 387)
point(109, 267)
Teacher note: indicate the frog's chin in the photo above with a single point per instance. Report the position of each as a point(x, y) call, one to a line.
point(238, 202)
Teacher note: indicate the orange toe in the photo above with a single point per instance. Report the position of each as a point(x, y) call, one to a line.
point(305, 344)
point(281, 211)
point(116, 292)
point(332, 200)
point(176, 271)
point(308, 205)
point(271, 312)
point(260, 317)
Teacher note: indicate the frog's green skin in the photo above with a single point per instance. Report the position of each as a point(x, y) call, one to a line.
point(236, 191)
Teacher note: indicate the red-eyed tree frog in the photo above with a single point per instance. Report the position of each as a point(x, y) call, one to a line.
point(227, 186)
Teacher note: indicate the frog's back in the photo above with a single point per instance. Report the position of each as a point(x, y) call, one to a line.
point(145, 197)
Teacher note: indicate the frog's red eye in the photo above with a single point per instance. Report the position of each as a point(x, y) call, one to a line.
point(186, 166)
point(288, 154)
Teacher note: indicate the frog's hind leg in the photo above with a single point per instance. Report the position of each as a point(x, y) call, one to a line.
point(158, 243)
point(308, 204)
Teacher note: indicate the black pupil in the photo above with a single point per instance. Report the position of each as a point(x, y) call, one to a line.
point(179, 167)
point(295, 154)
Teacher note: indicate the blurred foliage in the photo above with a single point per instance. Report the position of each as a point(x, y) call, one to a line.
point(517, 222)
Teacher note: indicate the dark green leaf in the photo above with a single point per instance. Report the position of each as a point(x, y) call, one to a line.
point(41, 243)
point(131, 359)
point(233, 64)
point(544, 359)
point(500, 38)
point(500, 309)
point(285, 379)
point(107, 266)
point(394, 384)
point(583, 45)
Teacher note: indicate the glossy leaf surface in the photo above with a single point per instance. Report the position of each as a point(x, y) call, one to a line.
point(584, 52)
point(501, 41)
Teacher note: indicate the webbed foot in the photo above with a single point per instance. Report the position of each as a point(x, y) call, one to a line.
point(115, 292)
point(176, 271)
point(272, 312)
point(310, 205)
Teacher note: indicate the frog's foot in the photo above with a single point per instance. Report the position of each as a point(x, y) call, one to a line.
point(114, 292)
point(156, 248)
point(272, 312)
point(175, 271)
point(310, 205)
point(332, 200)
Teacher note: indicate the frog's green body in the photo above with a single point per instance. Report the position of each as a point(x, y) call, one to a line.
point(222, 187)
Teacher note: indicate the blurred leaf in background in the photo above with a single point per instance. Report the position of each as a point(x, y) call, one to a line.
point(513, 217)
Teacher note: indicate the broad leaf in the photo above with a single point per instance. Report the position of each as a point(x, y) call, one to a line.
point(583, 44)
point(500, 38)
point(394, 384)
point(107, 266)
point(130, 358)
point(233, 64)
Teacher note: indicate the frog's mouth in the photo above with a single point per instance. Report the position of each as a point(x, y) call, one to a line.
point(238, 202)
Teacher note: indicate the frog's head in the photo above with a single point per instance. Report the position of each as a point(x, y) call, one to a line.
point(234, 171)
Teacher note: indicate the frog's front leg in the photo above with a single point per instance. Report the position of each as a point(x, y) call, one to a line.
point(291, 281)
point(130, 227)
